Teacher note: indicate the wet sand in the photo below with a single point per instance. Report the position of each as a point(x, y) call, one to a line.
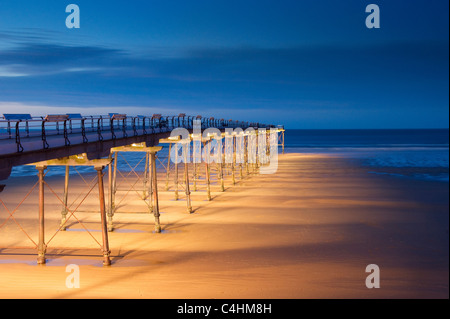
point(308, 231)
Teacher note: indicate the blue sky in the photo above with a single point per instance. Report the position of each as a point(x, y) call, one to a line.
point(305, 64)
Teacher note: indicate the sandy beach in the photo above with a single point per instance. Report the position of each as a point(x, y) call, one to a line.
point(308, 231)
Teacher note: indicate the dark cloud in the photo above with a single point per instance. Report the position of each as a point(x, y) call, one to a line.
point(287, 65)
point(41, 54)
point(300, 81)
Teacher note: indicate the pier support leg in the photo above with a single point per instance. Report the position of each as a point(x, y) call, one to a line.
point(233, 160)
point(155, 192)
point(41, 243)
point(195, 177)
point(101, 194)
point(222, 183)
point(150, 184)
point(258, 151)
point(168, 168)
point(186, 181)
point(208, 181)
point(65, 200)
point(222, 167)
point(109, 212)
point(112, 173)
point(246, 154)
point(175, 180)
point(114, 183)
point(146, 174)
point(208, 171)
point(188, 192)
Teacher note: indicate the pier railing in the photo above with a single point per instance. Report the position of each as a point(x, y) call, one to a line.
point(21, 127)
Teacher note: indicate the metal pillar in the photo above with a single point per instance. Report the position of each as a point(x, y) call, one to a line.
point(110, 211)
point(150, 184)
point(101, 193)
point(186, 181)
point(207, 169)
point(246, 153)
point(65, 199)
point(168, 168)
point(112, 192)
point(233, 159)
point(41, 244)
point(146, 174)
point(221, 168)
point(196, 155)
point(258, 150)
point(241, 173)
point(195, 177)
point(175, 178)
point(155, 204)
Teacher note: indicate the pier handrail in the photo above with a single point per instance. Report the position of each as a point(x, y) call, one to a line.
point(43, 127)
point(54, 118)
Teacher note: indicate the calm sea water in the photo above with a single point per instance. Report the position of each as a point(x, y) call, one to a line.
point(414, 154)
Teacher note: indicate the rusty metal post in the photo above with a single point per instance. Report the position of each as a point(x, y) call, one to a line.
point(195, 177)
point(175, 181)
point(246, 154)
point(101, 193)
point(155, 192)
point(62, 226)
point(146, 174)
point(258, 150)
point(41, 244)
point(168, 168)
point(222, 183)
point(233, 160)
point(241, 173)
point(196, 157)
point(150, 185)
point(241, 155)
point(114, 186)
point(208, 181)
point(186, 180)
point(110, 200)
point(221, 165)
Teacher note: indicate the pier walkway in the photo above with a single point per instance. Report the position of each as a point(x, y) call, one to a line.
point(73, 140)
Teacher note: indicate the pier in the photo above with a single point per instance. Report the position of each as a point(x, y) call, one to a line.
point(210, 153)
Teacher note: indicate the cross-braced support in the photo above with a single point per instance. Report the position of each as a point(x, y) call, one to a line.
point(77, 160)
point(185, 157)
point(150, 190)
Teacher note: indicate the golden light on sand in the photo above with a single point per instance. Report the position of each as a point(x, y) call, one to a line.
point(308, 231)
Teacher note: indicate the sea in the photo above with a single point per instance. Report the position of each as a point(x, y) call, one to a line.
point(415, 154)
